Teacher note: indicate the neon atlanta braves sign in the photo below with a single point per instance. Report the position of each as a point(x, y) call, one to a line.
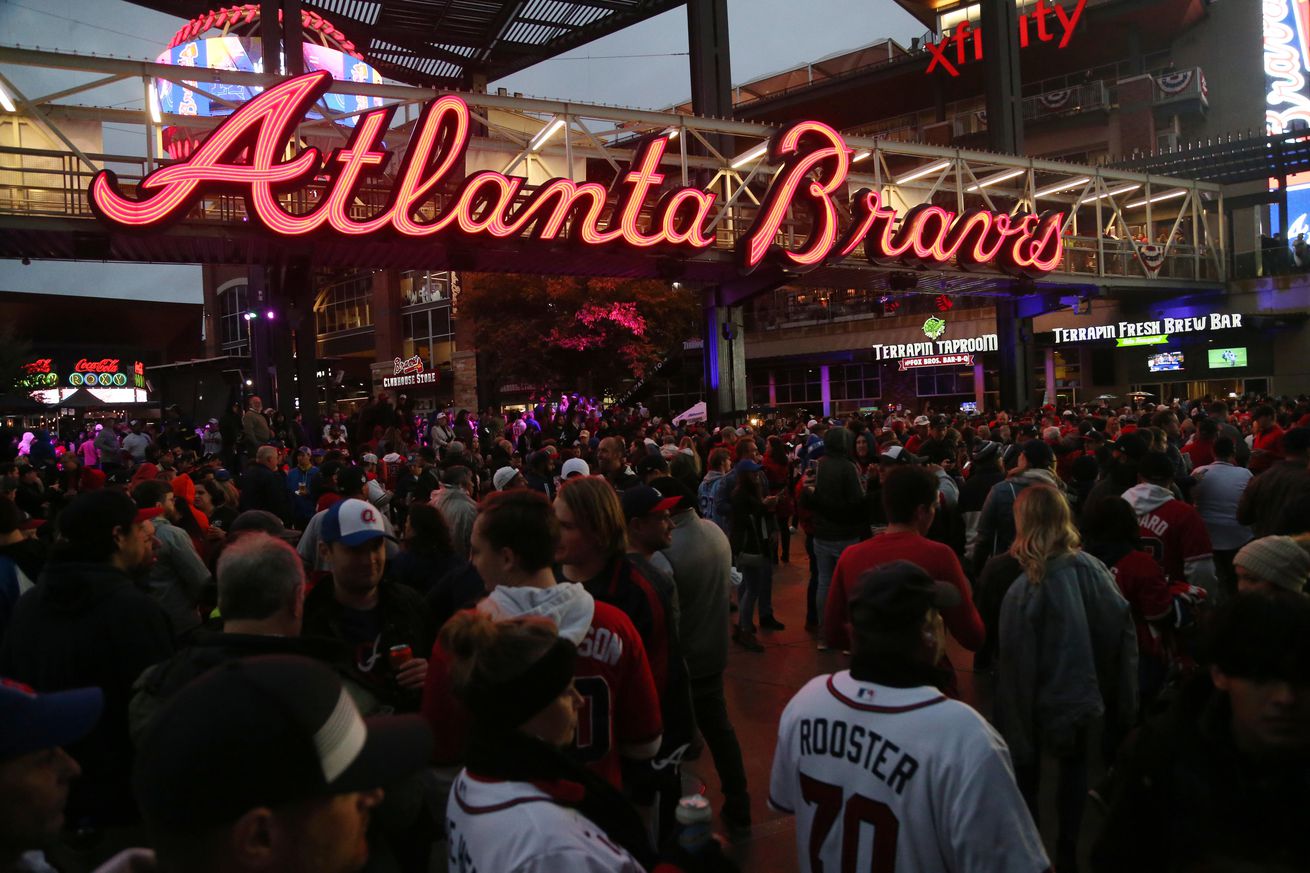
point(245, 154)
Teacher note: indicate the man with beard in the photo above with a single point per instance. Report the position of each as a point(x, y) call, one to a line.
point(87, 624)
point(611, 464)
point(178, 575)
point(265, 764)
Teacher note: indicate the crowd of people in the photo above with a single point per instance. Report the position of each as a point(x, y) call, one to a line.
point(488, 642)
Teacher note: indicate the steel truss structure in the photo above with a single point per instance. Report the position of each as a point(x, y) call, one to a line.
point(1121, 228)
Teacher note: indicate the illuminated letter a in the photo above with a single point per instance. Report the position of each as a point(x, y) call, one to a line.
point(262, 126)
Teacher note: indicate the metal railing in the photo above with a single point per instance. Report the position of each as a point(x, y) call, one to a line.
point(722, 156)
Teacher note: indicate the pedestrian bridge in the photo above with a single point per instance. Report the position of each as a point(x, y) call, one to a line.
point(1117, 228)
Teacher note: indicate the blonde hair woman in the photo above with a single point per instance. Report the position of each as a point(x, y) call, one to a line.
point(1044, 530)
point(1067, 655)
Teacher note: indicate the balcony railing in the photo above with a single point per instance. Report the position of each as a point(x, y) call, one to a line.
point(1064, 102)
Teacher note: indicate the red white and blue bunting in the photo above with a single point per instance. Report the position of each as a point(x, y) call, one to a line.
point(1176, 83)
point(1151, 256)
point(1054, 100)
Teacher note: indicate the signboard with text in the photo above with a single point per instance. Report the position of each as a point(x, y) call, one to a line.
point(937, 361)
point(971, 345)
point(82, 372)
point(1148, 332)
point(407, 372)
point(248, 153)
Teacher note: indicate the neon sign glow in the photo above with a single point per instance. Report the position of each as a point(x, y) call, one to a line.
point(965, 32)
point(1141, 330)
point(936, 361)
point(937, 348)
point(1286, 63)
point(245, 154)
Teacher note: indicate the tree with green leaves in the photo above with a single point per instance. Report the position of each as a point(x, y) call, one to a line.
point(593, 335)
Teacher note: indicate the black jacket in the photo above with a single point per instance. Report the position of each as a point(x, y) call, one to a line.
point(838, 498)
point(209, 650)
point(262, 488)
point(404, 620)
point(84, 625)
point(1184, 799)
point(422, 570)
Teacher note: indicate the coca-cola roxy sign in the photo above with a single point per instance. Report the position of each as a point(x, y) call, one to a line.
point(248, 154)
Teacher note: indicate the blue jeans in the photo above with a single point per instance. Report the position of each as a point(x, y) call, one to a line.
point(756, 588)
point(826, 553)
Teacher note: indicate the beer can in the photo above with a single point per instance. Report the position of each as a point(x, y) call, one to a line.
point(400, 656)
point(694, 817)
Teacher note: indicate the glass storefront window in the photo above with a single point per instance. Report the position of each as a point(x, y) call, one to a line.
point(233, 327)
point(942, 381)
point(345, 306)
point(429, 333)
point(418, 287)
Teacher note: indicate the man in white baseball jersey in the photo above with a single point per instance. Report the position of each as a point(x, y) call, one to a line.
point(882, 771)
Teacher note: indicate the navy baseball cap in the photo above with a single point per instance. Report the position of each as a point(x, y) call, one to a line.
point(896, 594)
point(1131, 445)
point(353, 522)
point(264, 732)
point(642, 500)
point(30, 722)
point(675, 490)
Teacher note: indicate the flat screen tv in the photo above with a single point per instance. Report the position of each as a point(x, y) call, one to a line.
point(970, 407)
point(1164, 362)
point(1226, 359)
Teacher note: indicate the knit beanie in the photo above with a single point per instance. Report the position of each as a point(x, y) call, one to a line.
point(1276, 560)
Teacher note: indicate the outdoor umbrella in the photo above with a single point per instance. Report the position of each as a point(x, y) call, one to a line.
point(20, 403)
point(81, 399)
point(696, 413)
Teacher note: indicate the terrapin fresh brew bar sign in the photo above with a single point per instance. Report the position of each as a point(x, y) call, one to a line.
point(248, 153)
point(1134, 333)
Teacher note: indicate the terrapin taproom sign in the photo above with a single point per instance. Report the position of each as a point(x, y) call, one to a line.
point(248, 154)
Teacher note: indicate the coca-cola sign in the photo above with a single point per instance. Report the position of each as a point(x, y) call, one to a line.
point(247, 153)
point(104, 365)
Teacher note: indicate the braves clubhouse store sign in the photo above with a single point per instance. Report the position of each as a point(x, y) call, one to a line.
point(248, 154)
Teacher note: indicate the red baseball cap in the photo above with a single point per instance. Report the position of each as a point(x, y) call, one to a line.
point(147, 514)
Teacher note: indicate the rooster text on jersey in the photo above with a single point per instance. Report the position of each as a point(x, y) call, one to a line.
point(860, 746)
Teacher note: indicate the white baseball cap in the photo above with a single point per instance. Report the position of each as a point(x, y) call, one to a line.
point(921, 421)
point(574, 467)
point(369, 458)
point(503, 477)
point(353, 522)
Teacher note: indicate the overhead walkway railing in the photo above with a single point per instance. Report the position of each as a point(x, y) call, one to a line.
point(1116, 225)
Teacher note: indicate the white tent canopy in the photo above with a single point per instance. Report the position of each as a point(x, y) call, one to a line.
point(696, 413)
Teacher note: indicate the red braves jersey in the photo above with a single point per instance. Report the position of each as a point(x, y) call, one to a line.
point(1143, 585)
point(1174, 534)
point(620, 706)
